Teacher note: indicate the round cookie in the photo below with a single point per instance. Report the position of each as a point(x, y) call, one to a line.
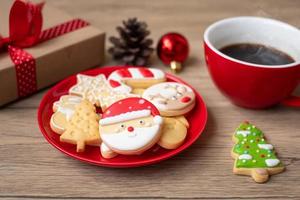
point(135, 77)
point(130, 126)
point(173, 133)
point(171, 98)
point(183, 120)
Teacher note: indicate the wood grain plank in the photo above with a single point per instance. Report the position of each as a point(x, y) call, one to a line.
point(203, 170)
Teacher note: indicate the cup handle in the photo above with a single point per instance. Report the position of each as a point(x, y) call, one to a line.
point(292, 101)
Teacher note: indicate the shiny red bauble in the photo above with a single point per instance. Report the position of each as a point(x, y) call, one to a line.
point(173, 47)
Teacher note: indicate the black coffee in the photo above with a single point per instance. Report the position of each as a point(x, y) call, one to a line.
point(257, 54)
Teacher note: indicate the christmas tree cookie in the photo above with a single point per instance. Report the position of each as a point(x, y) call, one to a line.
point(253, 155)
point(83, 128)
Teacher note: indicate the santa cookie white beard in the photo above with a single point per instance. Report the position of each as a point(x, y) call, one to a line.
point(132, 140)
point(130, 126)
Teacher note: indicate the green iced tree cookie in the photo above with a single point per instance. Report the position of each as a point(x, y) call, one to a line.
point(254, 156)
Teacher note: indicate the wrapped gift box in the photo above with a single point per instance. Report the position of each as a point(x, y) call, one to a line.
point(56, 58)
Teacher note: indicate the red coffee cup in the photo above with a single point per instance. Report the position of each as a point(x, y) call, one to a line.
point(247, 84)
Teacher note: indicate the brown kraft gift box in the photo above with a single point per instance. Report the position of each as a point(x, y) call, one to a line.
point(56, 58)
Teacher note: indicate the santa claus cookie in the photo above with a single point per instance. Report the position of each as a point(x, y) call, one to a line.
point(171, 98)
point(130, 126)
point(63, 111)
point(139, 77)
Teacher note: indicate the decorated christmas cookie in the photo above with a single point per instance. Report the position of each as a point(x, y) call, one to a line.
point(130, 126)
point(83, 128)
point(89, 87)
point(110, 96)
point(139, 77)
point(253, 155)
point(107, 152)
point(63, 111)
point(97, 90)
point(171, 98)
point(173, 132)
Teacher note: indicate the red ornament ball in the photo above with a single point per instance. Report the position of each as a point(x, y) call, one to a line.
point(172, 47)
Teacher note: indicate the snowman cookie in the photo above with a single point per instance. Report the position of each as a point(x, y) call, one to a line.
point(171, 98)
point(130, 126)
point(63, 111)
point(139, 77)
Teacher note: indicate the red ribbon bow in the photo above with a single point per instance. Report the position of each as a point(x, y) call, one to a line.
point(25, 30)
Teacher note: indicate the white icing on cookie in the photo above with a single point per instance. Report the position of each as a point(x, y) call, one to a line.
point(89, 87)
point(272, 162)
point(170, 96)
point(68, 112)
point(114, 76)
point(134, 73)
point(97, 90)
point(74, 99)
point(142, 101)
point(66, 106)
point(158, 119)
point(265, 146)
point(123, 88)
point(125, 141)
point(104, 148)
point(158, 74)
point(168, 92)
point(245, 156)
point(118, 77)
point(107, 152)
point(125, 117)
point(54, 124)
point(243, 132)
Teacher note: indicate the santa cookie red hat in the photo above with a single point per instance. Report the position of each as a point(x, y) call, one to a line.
point(129, 109)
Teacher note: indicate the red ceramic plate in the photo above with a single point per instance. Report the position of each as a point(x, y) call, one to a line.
point(197, 119)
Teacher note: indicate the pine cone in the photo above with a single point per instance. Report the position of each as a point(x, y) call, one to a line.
point(133, 47)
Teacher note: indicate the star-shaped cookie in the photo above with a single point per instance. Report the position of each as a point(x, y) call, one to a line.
point(97, 90)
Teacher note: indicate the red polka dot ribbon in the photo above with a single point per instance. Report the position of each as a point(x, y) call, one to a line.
point(25, 71)
point(25, 31)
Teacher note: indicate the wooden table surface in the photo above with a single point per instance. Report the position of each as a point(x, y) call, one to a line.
point(32, 168)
